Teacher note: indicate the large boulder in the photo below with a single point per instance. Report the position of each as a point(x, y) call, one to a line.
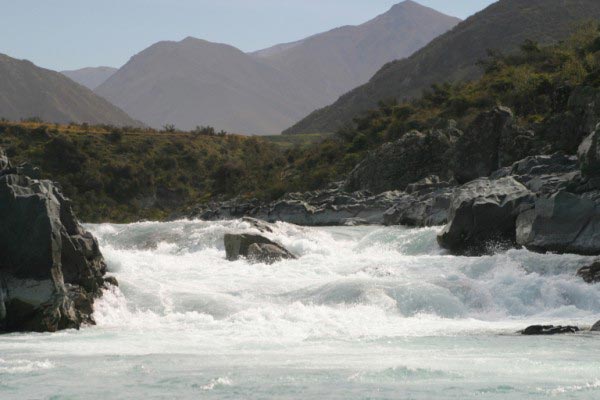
point(51, 269)
point(562, 222)
point(255, 248)
point(596, 327)
point(589, 155)
point(492, 141)
point(483, 213)
point(413, 157)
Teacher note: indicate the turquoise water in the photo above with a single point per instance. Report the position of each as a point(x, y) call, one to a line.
point(365, 313)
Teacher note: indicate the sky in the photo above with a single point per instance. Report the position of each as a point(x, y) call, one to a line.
point(71, 34)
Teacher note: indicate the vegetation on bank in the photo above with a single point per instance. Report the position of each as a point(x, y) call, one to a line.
point(131, 174)
point(538, 83)
point(124, 175)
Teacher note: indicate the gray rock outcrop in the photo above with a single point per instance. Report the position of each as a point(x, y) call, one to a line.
point(51, 269)
point(589, 154)
point(413, 157)
point(491, 142)
point(484, 212)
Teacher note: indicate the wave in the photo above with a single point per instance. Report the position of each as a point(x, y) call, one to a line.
point(366, 282)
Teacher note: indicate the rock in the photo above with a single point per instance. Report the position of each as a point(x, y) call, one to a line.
point(546, 174)
point(492, 141)
point(317, 208)
point(262, 226)
point(425, 203)
point(4, 164)
point(596, 327)
point(548, 330)
point(239, 245)
point(589, 154)
point(267, 253)
point(110, 281)
point(563, 222)
point(413, 157)
point(484, 212)
point(51, 268)
point(590, 274)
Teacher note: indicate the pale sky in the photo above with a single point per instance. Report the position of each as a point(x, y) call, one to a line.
point(70, 34)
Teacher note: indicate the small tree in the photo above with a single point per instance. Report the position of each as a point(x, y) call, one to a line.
point(169, 128)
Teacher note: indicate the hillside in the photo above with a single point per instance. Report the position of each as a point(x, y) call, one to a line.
point(91, 77)
point(195, 82)
point(502, 26)
point(29, 91)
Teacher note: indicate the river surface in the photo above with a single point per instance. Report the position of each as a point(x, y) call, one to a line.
point(364, 313)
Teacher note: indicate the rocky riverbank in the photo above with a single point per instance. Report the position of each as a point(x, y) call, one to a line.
point(51, 269)
point(484, 194)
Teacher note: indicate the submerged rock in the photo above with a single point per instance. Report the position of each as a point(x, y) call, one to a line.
point(590, 274)
point(549, 330)
point(254, 247)
point(51, 268)
point(482, 212)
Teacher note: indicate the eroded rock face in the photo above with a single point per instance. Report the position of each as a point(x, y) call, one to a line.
point(318, 208)
point(563, 222)
point(589, 155)
point(492, 141)
point(484, 212)
point(51, 268)
point(255, 248)
point(549, 330)
point(413, 157)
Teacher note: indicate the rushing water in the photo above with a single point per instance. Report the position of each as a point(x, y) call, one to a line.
point(365, 313)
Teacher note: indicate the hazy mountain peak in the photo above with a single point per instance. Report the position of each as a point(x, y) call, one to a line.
point(90, 77)
point(197, 82)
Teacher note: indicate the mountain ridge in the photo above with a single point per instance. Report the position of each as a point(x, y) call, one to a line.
point(453, 56)
point(272, 88)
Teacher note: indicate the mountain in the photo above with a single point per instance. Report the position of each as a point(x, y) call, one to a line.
point(194, 82)
point(333, 62)
point(90, 77)
point(30, 91)
point(503, 26)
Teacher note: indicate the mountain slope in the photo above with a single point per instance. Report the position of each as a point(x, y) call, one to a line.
point(29, 91)
point(333, 62)
point(452, 57)
point(194, 82)
point(90, 77)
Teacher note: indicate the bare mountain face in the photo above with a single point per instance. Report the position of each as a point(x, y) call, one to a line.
point(503, 26)
point(30, 91)
point(194, 82)
point(332, 63)
point(91, 77)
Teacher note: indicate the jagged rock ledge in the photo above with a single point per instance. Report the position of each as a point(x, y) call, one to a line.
point(51, 269)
